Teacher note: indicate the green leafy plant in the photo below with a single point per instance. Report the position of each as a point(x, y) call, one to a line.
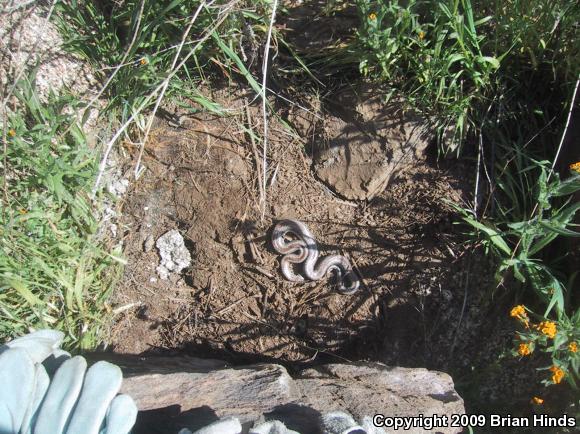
point(432, 51)
point(560, 339)
point(518, 244)
point(54, 270)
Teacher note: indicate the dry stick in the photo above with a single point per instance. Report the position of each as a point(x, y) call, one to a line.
point(254, 150)
point(264, 112)
point(138, 168)
point(565, 128)
point(465, 293)
point(476, 194)
point(5, 161)
point(493, 188)
point(235, 303)
point(146, 101)
point(552, 168)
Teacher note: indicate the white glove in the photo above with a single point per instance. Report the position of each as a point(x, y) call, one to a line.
point(225, 426)
point(71, 402)
point(338, 422)
point(272, 427)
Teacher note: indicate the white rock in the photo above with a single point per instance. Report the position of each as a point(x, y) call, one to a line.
point(174, 255)
point(118, 187)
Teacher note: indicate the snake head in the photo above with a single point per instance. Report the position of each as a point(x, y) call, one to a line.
point(346, 283)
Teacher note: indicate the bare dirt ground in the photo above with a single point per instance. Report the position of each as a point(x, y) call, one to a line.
point(202, 180)
point(427, 297)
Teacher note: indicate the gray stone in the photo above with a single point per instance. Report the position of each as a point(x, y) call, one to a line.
point(366, 389)
point(174, 255)
point(205, 390)
point(367, 143)
point(246, 393)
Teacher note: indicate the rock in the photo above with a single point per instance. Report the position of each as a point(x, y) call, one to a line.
point(118, 187)
point(366, 389)
point(31, 42)
point(203, 391)
point(174, 255)
point(368, 144)
point(148, 243)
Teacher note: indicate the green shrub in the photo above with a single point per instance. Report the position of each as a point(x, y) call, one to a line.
point(431, 51)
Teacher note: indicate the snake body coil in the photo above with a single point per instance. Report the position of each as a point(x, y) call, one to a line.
point(304, 251)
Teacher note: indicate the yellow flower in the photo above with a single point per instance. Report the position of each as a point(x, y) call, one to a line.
point(11, 132)
point(22, 211)
point(573, 347)
point(558, 374)
point(143, 61)
point(518, 311)
point(548, 328)
point(421, 35)
point(536, 400)
point(524, 350)
point(575, 167)
point(372, 16)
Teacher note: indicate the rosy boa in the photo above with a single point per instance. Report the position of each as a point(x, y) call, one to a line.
point(305, 251)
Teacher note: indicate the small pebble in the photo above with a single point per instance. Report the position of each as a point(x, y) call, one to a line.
point(149, 243)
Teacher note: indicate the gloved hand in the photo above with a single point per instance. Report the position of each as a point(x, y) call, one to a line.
point(233, 426)
point(230, 425)
point(73, 401)
point(272, 427)
point(338, 422)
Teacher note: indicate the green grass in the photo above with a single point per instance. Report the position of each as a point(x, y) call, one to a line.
point(55, 272)
point(134, 46)
point(57, 269)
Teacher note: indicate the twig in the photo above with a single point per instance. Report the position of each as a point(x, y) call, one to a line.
point(254, 149)
point(476, 194)
point(264, 111)
point(138, 168)
point(235, 303)
point(113, 140)
point(465, 293)
point(533, 213)
point(565, 128)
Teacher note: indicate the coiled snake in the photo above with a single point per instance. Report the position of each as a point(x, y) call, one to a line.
point(304, 251)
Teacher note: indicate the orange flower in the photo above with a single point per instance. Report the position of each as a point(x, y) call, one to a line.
point(548, 328)
point(372, 16)
point(143, 61)
point(575, 167)
point(558, 374)
point(573, 347)
point(518, 311)
point(524, 350)
point(537, 400)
